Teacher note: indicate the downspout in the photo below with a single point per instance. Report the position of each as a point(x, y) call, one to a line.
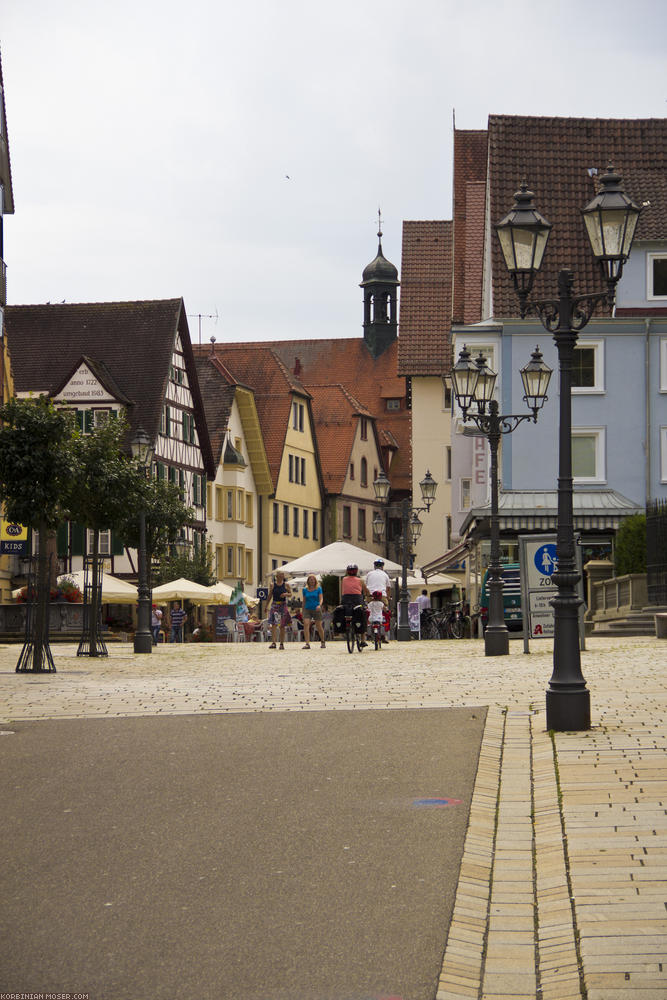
point(647, 399)
point(260, 538)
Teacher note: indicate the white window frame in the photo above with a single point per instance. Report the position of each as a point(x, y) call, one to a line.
point(650, 257)
point(600, 435)
point(104, 542)
point(598, 382)
point(663, 454)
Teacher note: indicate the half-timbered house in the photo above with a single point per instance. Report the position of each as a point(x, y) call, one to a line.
point(106, 357)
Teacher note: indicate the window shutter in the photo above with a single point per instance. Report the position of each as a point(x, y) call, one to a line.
point(89, 421)
point(77, 539)
point(117, 547)
point(79, 419)
point(61, 540)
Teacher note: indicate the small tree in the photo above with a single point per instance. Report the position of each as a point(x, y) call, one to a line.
point(630, 547)
point(37, 464)
point(103, 494)
point(198, 567)
point(166, 516)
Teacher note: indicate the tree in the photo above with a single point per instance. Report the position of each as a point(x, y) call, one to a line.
point(197, 567)
point(166, 516)
point(102, 495)
point(37, 464)
point(630, 547)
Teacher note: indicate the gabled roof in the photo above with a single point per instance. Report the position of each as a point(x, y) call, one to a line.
point(557, 157)
point(259, 367)
point(335, 412)
point(103, 376)
point(219, 390)
point(134, 341)
point(424, 346)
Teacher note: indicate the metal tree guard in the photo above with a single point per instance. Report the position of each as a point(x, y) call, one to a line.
point(99, 648)
point(26, 659)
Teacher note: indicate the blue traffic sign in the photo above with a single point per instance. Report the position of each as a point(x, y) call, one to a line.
point(546, 559)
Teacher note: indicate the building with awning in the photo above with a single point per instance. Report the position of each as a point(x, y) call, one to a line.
point(598, 513)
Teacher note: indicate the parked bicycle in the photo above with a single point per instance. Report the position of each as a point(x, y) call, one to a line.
point(445, 623)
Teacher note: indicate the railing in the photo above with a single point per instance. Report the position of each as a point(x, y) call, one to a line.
point(618, 596)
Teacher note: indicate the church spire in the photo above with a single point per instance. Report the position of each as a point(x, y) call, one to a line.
point(380, 283)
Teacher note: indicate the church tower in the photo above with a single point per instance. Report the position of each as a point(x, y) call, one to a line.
point(380, 283)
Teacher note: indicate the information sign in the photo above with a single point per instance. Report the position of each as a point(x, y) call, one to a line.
point(539, 561)
point(13, 539)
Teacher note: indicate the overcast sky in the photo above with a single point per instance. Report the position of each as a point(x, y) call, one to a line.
point(236, 153)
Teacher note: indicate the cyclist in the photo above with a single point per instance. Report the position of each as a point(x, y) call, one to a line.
point(353, 591)
point(378, 579)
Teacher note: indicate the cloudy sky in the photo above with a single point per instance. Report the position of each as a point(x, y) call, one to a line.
point(236, 153)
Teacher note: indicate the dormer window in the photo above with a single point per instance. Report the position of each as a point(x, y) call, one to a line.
point(656, 276)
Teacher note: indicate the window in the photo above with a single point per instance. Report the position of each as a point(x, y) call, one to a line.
point(447, 396)
point(285, 519)
point(663, 364)
point(588, 366)
point(663, 454)
point(448, 463)
point(230, 505)
point(230, 560)
point(219, 562)
point(240, 561)
point(656, 276)
point(316, 525)
point(276, 518)
point(364, 429)
point(274, 565)
point(104, 543)
point(361, 524)
point(588, 455)
point(347, 522)
point(364, 472)
point(88, 420)
point(305, 524)
point(290, 459)
point(297, 416)
point(351, 470)
point(219, 504)
point(295, 522)
point(466, 494)
point(393, 404)
point(303, 472)
point(248, 510)
point(240, 504)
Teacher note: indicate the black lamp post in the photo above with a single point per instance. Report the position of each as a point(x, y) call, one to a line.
point(474, 382)
point(411, 528)
point(611, 219)
point(143, 640)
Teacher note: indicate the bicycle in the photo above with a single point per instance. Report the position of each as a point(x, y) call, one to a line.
point(377, 629)
point(353, 635)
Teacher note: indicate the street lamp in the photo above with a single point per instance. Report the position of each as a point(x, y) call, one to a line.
point(474, 382)
point(143, 640)
point(610, 219)
point(411, 527)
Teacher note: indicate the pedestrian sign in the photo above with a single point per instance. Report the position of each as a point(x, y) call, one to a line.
point(545, 559)
point(539, 561)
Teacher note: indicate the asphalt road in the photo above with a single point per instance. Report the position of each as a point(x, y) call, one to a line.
point(267, 856)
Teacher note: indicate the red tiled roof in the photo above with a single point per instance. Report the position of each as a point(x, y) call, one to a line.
point(424, 346)
point(554, 156)
point(260, 368)
point(345, 361)
point(334, 411)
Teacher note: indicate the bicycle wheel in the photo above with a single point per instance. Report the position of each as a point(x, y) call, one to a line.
point(360, 641)
point(456, 627)
point(349, 635)
point(377, 637)
point(430, 630)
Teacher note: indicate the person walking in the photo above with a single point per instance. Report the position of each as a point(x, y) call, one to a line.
point(279, 616)
point(156, 623)
point(176, 618)
point(312, 610)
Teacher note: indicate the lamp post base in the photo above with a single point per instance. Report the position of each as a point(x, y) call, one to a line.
point(496, 641)
point(143, 642)
point(403, 633)
point(568, 711)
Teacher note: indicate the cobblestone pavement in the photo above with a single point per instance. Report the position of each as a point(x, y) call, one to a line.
point(563, 883)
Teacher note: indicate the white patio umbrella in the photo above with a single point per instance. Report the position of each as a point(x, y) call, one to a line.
point(183, 590)
point(335, 558)
point(114, 591)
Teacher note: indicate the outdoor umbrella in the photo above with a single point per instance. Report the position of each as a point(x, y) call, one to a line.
point(183, 590)
point(335, 558)
point(222, 592)
point(114, 591)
